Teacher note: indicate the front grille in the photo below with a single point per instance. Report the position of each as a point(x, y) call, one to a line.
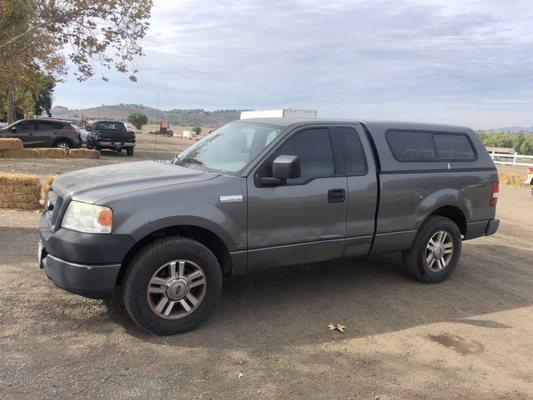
point(54, 206)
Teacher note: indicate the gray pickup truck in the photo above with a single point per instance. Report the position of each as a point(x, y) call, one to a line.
point(159, 236)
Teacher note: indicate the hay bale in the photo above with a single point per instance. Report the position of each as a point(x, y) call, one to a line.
point(20, 191)
point(10, 144)
point(512, 179)
point(51, 153)
point(84, 153)
point(18, 153)
point(47, 185)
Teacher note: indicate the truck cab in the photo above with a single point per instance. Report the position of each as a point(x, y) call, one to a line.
point(263, 193)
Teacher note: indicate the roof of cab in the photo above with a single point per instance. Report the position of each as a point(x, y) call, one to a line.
point(286, 122)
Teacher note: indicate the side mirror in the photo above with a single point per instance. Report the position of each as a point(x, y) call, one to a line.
point(286, 167)
point(283, 168)
point(14, 129)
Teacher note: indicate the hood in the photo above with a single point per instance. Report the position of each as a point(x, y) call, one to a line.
point(93, 184)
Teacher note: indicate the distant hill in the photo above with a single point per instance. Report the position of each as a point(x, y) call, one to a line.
point(175, 117)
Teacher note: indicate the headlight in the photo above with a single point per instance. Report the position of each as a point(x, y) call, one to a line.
point(88, 218)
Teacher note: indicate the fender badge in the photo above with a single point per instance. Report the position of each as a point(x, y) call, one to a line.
point(236, 198)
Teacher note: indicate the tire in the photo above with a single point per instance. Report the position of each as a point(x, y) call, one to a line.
point(129, 151)
point(153, 263)
point(63, 144)
point(418, 262)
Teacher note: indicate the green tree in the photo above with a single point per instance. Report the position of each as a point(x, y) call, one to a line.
point(197, 129)
point(138, 119)
point(38, 36)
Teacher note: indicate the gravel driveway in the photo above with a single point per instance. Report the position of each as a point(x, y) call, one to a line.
point(467, 338)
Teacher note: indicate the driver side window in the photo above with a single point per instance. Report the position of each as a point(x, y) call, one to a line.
point(313, 147)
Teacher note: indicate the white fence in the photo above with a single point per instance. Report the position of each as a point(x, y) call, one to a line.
point(511, 159)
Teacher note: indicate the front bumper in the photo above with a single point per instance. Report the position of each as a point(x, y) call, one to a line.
point(94, 281)
point(82, 263)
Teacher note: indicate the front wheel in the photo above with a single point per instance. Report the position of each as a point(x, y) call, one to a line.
point(435, 252)
point(172, 285)
point(129, 151)
point(63, 144)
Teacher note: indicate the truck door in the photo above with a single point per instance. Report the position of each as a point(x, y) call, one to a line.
point(362, 189)
point(305, 219)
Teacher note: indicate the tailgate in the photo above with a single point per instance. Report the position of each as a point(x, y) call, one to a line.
point(116, 136)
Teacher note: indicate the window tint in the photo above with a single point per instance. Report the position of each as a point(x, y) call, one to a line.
point(454, 147)
point(411, 146)
point(111, 126)
point(313, 146)
point(25, 125)
point(44, 125)
point(354, 156)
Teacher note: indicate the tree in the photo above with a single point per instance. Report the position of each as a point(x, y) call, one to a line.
point(138, 119)
point(38, 36)
point(197, 129)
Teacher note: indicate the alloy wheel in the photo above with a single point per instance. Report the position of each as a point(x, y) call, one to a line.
point(439, 251)
point(176, 289)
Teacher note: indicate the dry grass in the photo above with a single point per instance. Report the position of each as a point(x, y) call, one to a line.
point(18, 153)
point(10, 144)
point(51, 153)
point(84, 153)
point(20, 191)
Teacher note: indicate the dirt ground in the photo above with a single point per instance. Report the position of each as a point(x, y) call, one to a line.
point(148, 147)
point(467, 338)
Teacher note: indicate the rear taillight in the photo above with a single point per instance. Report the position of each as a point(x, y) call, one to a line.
point(530, 171)
point(495, 193)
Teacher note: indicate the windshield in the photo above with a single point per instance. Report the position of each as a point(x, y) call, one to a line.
point(230, 148)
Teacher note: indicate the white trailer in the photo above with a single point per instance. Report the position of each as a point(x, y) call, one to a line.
point(189, 134)
point(281, 113)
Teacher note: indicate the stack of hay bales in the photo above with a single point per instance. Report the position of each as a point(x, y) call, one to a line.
point(12, 148)
point(84, 153)
point(51, 153)
point(20, 191)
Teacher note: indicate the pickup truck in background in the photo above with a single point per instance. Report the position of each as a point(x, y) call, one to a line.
point(261, 193)
point(111, 135)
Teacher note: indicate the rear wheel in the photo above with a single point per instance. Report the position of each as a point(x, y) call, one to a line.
point(435, 252)
point(172, 285)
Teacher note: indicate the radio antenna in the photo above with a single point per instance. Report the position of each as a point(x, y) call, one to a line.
point(158, 121)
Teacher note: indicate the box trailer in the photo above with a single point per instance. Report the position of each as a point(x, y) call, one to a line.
point(281, 113)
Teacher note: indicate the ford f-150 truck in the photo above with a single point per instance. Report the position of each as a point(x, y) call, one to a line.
point(261, 193)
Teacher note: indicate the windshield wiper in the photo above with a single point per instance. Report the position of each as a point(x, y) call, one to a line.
point(194, 161)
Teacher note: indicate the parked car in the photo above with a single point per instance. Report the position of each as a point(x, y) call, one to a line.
point(112, 135)
point(264, 193)
point(42, 132)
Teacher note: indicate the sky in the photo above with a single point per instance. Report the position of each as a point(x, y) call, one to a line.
point(466, 62)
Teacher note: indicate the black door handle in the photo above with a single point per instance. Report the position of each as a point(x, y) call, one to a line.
point(336, 195)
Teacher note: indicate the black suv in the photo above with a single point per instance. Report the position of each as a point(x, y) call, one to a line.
point(37, 132)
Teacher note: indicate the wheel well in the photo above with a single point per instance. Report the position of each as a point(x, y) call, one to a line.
point(204, 236)
point(455, 214)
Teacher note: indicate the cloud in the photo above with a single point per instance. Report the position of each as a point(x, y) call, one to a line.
point(342, 57)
